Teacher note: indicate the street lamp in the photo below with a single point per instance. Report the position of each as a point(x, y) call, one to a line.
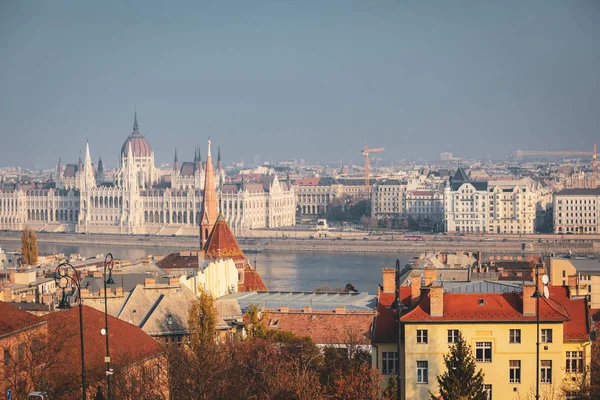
point(62, 278)
point(536, 295)
point(397, 305)
point(108, 264)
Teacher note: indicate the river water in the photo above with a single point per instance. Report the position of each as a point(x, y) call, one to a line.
point(299, 270)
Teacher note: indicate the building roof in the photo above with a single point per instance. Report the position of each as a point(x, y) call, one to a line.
point(386, 325)
point(127, 342)
point(587, 265)
point(252, 281)
point(158, 310)
point(483, 287)
point(222, 242)
point(579, 192)
point(14, 319)
point(323, 301)
point(577, 327)
point(307, 182)
point(178, 261)
point(325, 327)
point(188, 168)
point(139, 146)
point(460, 176)
point(495, 307)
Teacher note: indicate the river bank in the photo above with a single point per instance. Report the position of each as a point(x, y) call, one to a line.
point(362, 245)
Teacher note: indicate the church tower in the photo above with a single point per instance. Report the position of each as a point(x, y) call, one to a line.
point(210, 213)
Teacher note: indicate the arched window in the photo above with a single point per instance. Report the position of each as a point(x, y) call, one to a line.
point(121, 201)
point(101, 201)
point(56, 216)
point(37, 215)
point(28, 214)
point(174, 219)
point(105, 201)
point(168, 217)
point(71, 215)
point(162, 217)
point(145, 216)
point(179, 217)
point(151, 217)
point(198, 217)
point(185, 217)
point(206, 233)
point(156, 216)
point(110, 201)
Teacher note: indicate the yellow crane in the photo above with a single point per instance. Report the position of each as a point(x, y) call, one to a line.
point(365, 152)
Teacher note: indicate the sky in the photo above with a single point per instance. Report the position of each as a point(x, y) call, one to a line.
point(276, 80)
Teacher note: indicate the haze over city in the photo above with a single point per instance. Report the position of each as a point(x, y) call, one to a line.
point(311, 80)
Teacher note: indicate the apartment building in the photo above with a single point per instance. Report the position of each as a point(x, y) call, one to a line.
point(576, 211)
point(580, 274)
point(498, 324)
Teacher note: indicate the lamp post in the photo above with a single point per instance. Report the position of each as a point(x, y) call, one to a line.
point(400, 307)
point(62, 278)
point(108, 264)
point(536, 296)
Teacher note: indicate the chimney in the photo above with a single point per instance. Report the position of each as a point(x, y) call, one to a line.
point(436, 294)
point(340, 310)
point(97, 274)
point(119, 291)
point(389, 280)
point(7, 294)
point(430, 275)
point(415, 290)
point(307, 309)
point(284, 309)
point(101, 292)
point(85, 292)
point(528, 301)
point(173, 281)
point(149, 282)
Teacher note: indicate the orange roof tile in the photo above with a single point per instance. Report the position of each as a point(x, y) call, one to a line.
point(222, 242)
point(497, 307)
point(577, 327)
point(325, 327)
point(13, 319)
point(126, 341)
point(252, 281)
point(386, 325)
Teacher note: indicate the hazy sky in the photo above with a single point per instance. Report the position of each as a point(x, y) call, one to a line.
point(290, 79)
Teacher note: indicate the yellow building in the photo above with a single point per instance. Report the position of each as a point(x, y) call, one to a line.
point(580, 274)
point(500, 326)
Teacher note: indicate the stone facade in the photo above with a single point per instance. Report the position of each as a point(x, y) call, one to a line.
point(576, 211)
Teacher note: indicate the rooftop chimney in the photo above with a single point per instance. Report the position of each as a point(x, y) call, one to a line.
point(119, 291)
point(528, 301)
point(149, 282)
point(389, 280)
point(340, 310)
point(173, 281)
point(436, 294)
point(415, 290)
point(284, 309)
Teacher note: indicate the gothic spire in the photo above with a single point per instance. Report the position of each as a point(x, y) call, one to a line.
point(175, 161)
point(195, 154)
point(88, 159)
point(219, 154)
point(100, 166)
point(135, 123)
point(209, 201)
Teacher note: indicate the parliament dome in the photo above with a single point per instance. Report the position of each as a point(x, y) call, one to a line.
point(138, 143)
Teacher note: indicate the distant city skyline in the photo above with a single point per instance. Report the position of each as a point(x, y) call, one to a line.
point(311, 80)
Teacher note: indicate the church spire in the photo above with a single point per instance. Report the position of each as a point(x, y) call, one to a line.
point(219, 162)
point(209, 201)
point(100, 166)
point(135, 123)
point(175, 161)
point(88, 159)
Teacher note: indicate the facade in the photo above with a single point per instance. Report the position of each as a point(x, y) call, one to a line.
point(138, 200)
point(501, 206)
point(580, 275)
point(576, 211)
point(500, 327)
point(315, 194)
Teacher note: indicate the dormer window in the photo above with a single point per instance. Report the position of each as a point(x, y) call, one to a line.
point(481, 302)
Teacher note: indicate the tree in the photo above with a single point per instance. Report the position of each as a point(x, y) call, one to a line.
point(461, 381)
point(255, 322)
point(202, 321)
point(29, 247)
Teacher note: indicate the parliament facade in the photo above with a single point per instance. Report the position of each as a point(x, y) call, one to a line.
point(138, 200)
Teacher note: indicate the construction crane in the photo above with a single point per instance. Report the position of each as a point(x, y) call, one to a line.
point(365, 152)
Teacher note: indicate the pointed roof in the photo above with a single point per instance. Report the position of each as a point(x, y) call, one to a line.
point(100, 166)
point(209, 201)
point(223, 243)
point(460, 175)
point(135, 123)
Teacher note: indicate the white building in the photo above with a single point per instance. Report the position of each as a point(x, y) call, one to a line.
point(138, 201)
point(576, 211)
point(501, 206)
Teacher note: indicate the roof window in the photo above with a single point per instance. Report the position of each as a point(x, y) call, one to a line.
point(481, 302)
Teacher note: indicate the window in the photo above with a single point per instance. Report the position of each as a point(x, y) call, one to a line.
point(574, 361)
point(515, 336)
point(421, 371)
point(390, 362)
point(546, 371)
point(546, 335)
point(514, 373)
point(421, 335)
point(452, 335)
point(488, 391)
point(483, 351)
point(6, 356)
point(21, 351)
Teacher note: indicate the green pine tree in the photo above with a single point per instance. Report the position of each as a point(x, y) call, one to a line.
point(461, 381)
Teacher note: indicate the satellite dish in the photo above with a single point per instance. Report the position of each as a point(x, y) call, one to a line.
point(546, 293)
point(545, 279)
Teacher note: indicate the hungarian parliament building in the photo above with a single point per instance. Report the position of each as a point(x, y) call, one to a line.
point(139, 200)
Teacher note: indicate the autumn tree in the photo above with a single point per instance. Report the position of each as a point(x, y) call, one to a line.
point(461, 381)
point(255, 322)
point(29, 247)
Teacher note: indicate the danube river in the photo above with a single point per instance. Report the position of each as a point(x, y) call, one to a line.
point(290, 270)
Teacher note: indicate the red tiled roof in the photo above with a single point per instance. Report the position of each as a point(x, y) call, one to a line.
point(222, 242)
point(576, 328)
point(386, 326)
point(497, 307)
point(13, 319)
point(127, 342)
point(252, 281)
point(177, 261)
point(325, 327)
